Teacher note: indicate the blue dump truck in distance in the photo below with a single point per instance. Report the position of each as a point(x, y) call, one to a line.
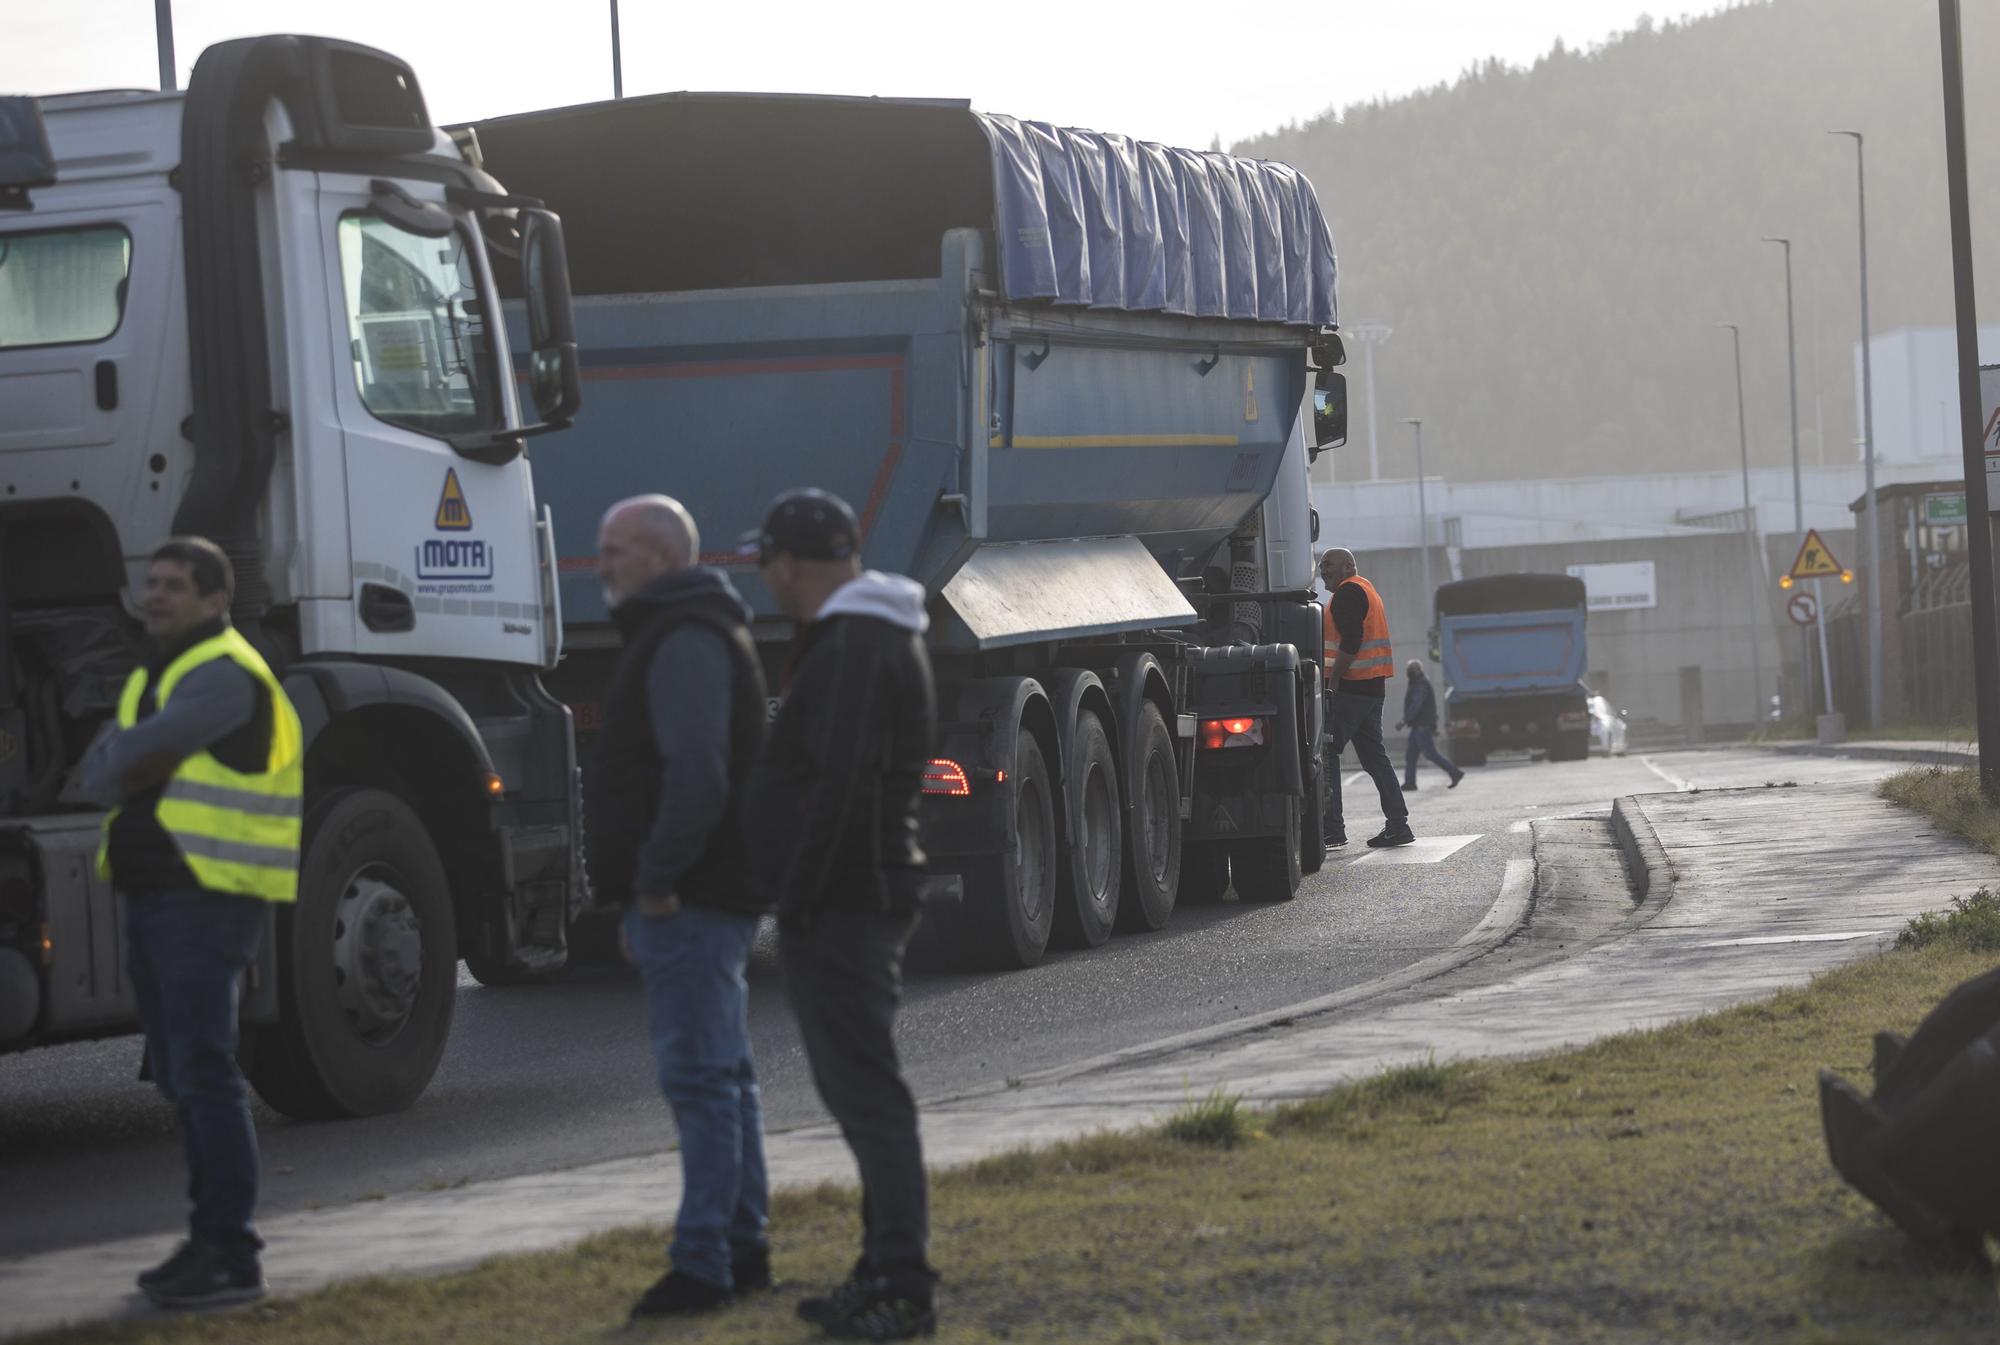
point(1070, 382)
point(1513, 652)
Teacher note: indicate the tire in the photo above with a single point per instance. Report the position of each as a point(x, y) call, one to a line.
point(1087, 895)
point(1204, 872)
point(1267, 868)
point(1570, 747)
point(1009, 907)
point(367, 965)
point(1153, 833)
point(1312, 825)
point(1466, 752)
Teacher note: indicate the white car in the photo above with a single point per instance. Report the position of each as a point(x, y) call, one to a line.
point(1607, 727)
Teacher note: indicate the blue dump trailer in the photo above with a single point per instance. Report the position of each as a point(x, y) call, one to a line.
point(1070, 382)
point(1514, 655)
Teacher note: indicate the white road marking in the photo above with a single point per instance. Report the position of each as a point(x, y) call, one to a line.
point(1841, 937)
point(1350, 778)
point(1676, 781)
point(1521, 826)
point(1427, 850)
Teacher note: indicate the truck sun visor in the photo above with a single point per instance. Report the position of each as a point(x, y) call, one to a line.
point(25, 158)
point(1110, 222)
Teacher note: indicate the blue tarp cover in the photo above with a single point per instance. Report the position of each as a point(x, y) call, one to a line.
point(1112, 222)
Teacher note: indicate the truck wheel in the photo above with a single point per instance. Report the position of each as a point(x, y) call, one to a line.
point(1312, 826)
point(367, 965)
point(1571, 747)
point(1204, 871)
point(1153, 841)
point(1087, 903)
point(1268, 869)
point(1009, 904)
point(1467, 752)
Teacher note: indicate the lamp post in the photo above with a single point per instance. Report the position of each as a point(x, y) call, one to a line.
point(617, 56)
point(1756, 586)
point(163, 30)
point(1423, 518)
point(1798, 485)
point(1978, 521)
point(1872, 552)
point(1370, 335)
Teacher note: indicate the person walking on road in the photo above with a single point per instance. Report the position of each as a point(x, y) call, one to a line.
point(203, 771)
point(1359, 665)
point(845, 867)
point(684, 719)
point(1420, 717)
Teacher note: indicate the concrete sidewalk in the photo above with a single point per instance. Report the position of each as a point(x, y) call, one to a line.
point(1921, 752)
point(1746, 892)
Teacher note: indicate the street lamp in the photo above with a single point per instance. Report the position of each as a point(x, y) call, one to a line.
point(617, 56)
point(1872, 552)
point(1756, 586)
point(1798, 486)
point(1423, 519)
point(1370, 335)
point(163, 31)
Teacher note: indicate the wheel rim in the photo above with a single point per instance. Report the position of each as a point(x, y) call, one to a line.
point(1100, 818)
point(378, 955)
point(1157, 822)
point(1031, 851)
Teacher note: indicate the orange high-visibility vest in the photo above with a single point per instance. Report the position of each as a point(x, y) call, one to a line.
point(1375, 658)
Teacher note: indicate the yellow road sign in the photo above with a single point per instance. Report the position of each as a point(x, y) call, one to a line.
point(1815, 560)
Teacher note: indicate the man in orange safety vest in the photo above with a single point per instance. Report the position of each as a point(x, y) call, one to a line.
point(1358, 664)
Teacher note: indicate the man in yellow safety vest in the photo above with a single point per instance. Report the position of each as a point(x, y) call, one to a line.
point(203, 771)
point(1359, 665)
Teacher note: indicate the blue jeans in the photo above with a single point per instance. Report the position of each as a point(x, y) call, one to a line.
point(697, 1014)
point(1356, 721)
point(186, 952)
point(1423, 742)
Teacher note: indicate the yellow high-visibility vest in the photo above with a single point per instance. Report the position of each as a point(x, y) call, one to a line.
point(1374, 659)
point(237, 831)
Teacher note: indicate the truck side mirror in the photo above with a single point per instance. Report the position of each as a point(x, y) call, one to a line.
point(1329, 410)
point(555, 376)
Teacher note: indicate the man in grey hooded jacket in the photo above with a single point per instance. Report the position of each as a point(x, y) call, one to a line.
point(840, 855)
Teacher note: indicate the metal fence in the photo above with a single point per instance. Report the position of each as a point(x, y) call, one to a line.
point(1933, 635)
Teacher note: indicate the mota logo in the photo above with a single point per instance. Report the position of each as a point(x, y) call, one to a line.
point(454, 558)
point(453, 513)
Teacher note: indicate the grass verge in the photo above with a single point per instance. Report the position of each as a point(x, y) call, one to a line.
point(1660, 1186)
point(1950, 796)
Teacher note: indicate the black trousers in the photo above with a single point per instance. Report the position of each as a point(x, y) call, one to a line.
point(844, 973)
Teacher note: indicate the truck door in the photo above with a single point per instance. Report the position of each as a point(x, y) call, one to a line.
point(441, 526)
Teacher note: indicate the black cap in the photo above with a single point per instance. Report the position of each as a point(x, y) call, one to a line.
point(810, 524)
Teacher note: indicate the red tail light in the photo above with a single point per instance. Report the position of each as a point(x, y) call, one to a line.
point(1220, 733)
point(1464, 728)
point(947, 777)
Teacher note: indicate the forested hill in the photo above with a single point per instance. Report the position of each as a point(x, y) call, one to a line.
point(1553, 245)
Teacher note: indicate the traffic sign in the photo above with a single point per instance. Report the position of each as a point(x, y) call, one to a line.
point(1815, 559)
point(1802, 608)
point(1944, 509)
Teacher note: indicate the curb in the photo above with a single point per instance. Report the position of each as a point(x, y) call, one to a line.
point(1503, 919)
point(1921, 756)
point(1652, 872)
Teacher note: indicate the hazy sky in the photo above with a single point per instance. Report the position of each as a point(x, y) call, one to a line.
point(1168, 71)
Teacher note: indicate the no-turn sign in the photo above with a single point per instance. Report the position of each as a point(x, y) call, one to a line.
point(1802, 608)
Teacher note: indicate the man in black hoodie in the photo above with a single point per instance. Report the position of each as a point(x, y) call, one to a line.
point(683, 722)
point(839, 854)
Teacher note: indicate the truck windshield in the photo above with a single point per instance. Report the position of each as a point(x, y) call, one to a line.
point(416, 328)
point(62, 286)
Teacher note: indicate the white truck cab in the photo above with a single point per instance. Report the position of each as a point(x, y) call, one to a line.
point(267, 312)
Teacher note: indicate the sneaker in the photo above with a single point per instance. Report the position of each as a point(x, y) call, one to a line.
point(204, 1279)
point(1392, 835)
point(1853, 1133)
point(1888, 1048)
point(1410, 788)
point(168, 1268)
point(1336, 839)
point(884, 1312)
point(679, 1294)
point(839, 1302)
point(750, 1271)
point(1455, 779)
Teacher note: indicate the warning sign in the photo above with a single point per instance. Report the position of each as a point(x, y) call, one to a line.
point(1815, 559)
point(453, 513)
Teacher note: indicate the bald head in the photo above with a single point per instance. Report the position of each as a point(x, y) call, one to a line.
point(639, 540)
point(1336, 565)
